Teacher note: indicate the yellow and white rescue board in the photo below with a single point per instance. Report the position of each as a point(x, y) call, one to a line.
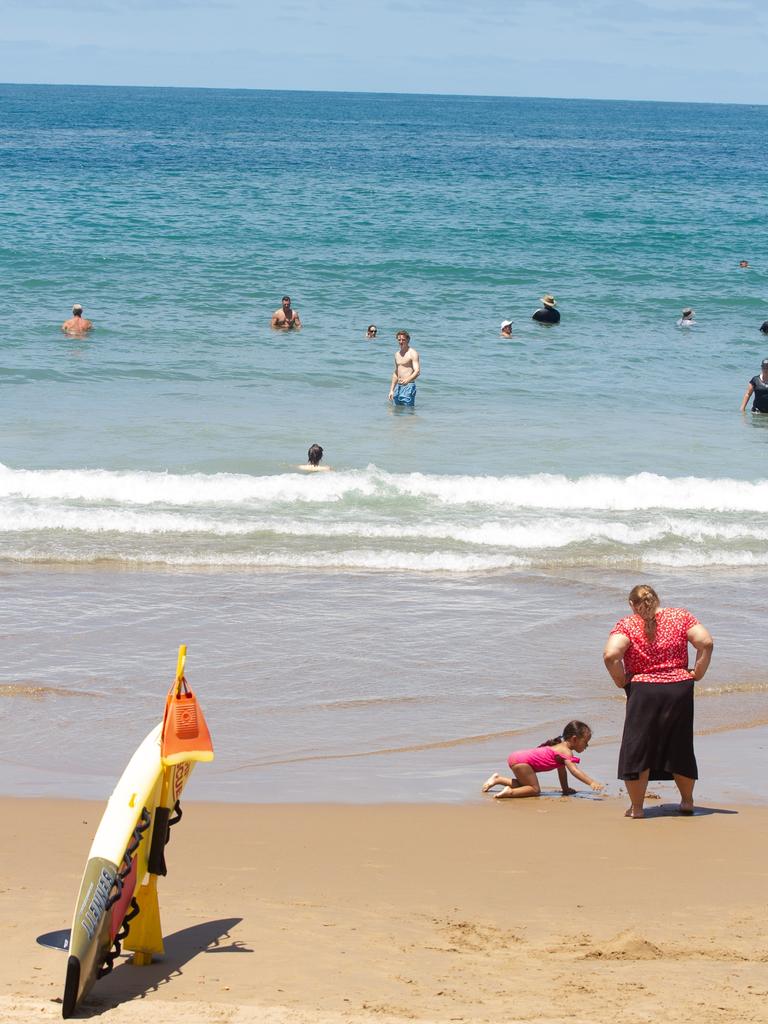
point(117, 904)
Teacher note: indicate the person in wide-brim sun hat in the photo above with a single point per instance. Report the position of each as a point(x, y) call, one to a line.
point(547, 314)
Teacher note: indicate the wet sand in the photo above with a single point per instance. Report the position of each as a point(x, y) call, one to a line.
point(351, 704)
point(534, 911)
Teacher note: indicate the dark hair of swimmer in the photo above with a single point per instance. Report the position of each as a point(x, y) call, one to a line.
point(314, 455)
point(287, 298)
point(575, 728)
point(372, 328)
point(764, 326)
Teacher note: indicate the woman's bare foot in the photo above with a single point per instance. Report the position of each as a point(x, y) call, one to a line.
point(686, 808)
point(491, 782)
point(632, 812)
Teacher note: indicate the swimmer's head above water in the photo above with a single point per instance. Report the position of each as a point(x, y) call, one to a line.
point(372, 331)
point(314, 455)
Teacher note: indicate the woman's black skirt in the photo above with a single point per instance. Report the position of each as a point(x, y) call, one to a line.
point(658, 731)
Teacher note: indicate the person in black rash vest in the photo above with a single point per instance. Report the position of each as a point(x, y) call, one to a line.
point(547, 315)
point(758, 388)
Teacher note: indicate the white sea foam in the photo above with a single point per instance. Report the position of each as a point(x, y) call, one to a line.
point(404, 561)
point(194, 489)
point(638, 492)
point(373, 519)
point(642, 491)
point(691, 558)
point(539, 533)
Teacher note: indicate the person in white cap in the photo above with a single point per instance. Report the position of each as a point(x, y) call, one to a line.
point(77, 323)
point(547, 315)
point(506, 328)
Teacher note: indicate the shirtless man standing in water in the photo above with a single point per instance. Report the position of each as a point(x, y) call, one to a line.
point(77, 323)
point(402, 390)
point(286, 317)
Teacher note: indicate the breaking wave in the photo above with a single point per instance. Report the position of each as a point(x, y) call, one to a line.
point(372, 519)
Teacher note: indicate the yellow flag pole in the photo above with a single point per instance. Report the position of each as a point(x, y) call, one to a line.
point(181, 663)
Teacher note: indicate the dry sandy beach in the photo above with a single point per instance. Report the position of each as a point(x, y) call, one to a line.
point(538, 911)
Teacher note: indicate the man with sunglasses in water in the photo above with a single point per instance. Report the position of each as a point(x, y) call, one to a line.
point(286, 317)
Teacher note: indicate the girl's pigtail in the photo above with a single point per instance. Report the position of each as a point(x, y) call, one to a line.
point(553, 742)
point(574, 728)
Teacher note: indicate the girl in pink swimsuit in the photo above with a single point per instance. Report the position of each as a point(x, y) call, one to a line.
point(555, 753)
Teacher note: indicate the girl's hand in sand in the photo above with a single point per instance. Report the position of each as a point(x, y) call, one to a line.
point(597, 786)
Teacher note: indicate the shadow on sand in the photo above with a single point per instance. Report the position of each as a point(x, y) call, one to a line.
point(672, 811)
point(127, 982)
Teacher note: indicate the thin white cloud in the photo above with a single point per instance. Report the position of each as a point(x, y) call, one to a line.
point(548, 14)
point(503, 47)
point(111, 8)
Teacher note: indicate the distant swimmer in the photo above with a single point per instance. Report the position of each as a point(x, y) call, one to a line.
point(757, 387)
point(286, 317)
point(77, 323)
point(506, 328)
point(402, 390)
point(744, 264)
point(688, 319)
point(764, 327)
point(547, 315)
point(314, 455)
point(372, 331)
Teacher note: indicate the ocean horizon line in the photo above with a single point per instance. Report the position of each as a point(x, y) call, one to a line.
point(630, 101)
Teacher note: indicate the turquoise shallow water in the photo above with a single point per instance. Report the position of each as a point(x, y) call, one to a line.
point(179, 218)
point(166, 442)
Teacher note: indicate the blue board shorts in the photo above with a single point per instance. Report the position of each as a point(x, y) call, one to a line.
point(404, 394)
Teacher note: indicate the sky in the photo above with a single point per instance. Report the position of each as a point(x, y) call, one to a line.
point(683, 50)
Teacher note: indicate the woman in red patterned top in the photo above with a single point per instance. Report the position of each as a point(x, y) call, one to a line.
point(647, 657)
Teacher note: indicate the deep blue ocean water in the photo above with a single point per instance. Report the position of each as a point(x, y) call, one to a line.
point(167, 440)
